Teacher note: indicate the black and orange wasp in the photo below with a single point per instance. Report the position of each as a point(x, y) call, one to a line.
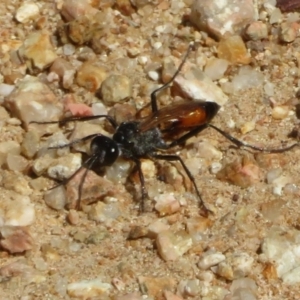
point(146, 137)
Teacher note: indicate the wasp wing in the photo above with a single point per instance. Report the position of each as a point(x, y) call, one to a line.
point(180, 116)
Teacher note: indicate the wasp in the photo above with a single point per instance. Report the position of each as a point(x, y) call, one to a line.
point(152, 136)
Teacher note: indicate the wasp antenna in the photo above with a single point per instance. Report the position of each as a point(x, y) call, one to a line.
point(153, 94)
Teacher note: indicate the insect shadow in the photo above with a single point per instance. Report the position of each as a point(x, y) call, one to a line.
point(148, 138)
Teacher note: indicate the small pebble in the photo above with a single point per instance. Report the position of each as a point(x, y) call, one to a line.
point(64, 70)
point(194, 84)
point(38, 51)
point(210, 258)
point(257, 31)
point(222, 18)
point(91, 76)
point(56, 198)
point(73, 217)
point(280, 112)
point(16, 162)
point(172, 246)
point(101, 212)
point(116, 88)
point(15, 239)
point(27, 11)
point(15, 209)
point(234, 50)
point(166, 204)
point(247, 127)
point(215, 68)
point(288, 32)
point(6, 89)
point(88, 289)
point(74, 9)
point(33, 100)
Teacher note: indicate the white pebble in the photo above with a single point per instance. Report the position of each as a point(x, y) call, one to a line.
point(27, 11)
point(99, 109)
point(215, 68)
point(153, 75)
point(56, 198)
point(210, 258)
point(157, 45)
point(68, 49)
point(88, 289)
point(280, 112)
point(6, 89)
point(215, 167)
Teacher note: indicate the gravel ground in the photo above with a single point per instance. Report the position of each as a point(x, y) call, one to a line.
point(96, 57)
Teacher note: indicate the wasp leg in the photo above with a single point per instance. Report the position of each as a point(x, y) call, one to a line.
point(80, 119)
point(142, 180)
point(232, 139)
point(88, 165)
point(206, 211)
point(243, 144)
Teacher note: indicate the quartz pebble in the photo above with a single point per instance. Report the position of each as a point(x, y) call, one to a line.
point(156, 285)
point(171, 246)
point(33, 100)
point(243, 173)
point(280, 112)
point(241, 289)
point(257, 31)
point(15, 239)
point(246, 78)
point(64, 70)
point(116, 88)
point(210, 258)
point(88, 288)
point(9, 147)
point(27, 11)
point(247, 127)
point(16, 162)
point(73, 217)
point(119, 170)
point(156, 227)
point(56, 198)
point(30, 144)
point(194, 84)
point(280, 249)
point(289, 32)
point(234, 50)
point(101, 212)
point(16, 182)
point(37, 50)
point(197, 227)
point(73, 9)
point(6, 89)
point(90, 76)
point(166, 204)
point(237, 265)
point(215, 68)
point(275, 16)
point(15, 209)
point(222, 18)
point(65, 166)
